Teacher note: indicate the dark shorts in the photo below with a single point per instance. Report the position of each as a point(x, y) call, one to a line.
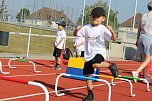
point(88, 69)
point(82, 53)
point(57, 52)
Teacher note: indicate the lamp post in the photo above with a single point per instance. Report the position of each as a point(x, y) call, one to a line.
point(109, 7)
point(84, 1)
point(133, 26)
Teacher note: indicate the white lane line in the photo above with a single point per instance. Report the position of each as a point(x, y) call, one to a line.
point(36, 94)
point(130, 64)
point(31, 75)
point(29, 65)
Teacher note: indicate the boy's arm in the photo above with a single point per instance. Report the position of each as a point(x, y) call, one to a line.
point(59, 42)
point(79, 44)
point(80, 32)
point(113, 37)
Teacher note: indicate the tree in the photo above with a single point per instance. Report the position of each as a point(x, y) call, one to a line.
point(3, 10)
point(22, 14)
point(113, 19)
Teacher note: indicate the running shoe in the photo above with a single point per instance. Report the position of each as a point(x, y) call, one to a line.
point(135, 75)
point(89, 97)
point(114, 70)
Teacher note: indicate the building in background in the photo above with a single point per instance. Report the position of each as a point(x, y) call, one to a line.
point(126, 31)
point(128, 24)
point(47, 17)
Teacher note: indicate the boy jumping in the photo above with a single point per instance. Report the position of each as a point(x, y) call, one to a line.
point(95, 51)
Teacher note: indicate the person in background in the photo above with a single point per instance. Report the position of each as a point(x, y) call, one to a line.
point(95, 35)
point(59, 43)
point(144, 40)
point(78, 43)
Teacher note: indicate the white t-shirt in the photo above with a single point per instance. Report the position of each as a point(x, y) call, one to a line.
point(146, 23)
point(79, 40)
point(94, 40)
point(59, 35)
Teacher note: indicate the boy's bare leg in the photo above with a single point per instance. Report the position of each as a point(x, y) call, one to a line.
point(58, 61)
point(102, 64)
point(112, 66)
point(89, 83)
point(90, 95)
point(57, 66)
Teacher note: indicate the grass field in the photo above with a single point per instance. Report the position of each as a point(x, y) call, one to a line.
point(38, 44)
point(14, 28)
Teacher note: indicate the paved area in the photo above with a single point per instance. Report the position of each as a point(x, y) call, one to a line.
point(30, 56)
point(40, 56)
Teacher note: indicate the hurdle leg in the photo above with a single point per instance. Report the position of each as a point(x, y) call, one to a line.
point(64, 74)
point(9, 63)
point(42, 87)
point(138, 79)
point(56, 84)
point(131, 87)
point(29, 83)
point(112, 82)
point(109, 94)
point(123, 79)
point(147, 83)
point(2, 70)
point(34, 67)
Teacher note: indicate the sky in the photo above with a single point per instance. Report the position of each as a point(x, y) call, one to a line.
point(126, 8)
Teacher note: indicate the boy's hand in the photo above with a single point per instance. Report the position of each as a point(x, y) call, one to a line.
point(109, 28)
point(78, 27)
point(113, 33)
point(75, 46)
point(56, 46)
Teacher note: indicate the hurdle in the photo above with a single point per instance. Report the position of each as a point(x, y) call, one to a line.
point(138, 79)
point(123, 79)
point(1, 70)
point(29, 83)
point(22, 60)
point(77, 69)
point(82, 77)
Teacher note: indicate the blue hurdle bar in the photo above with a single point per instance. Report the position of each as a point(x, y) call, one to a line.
point(83, 77)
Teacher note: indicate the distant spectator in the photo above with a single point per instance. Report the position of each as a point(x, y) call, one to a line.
point(59, 43)
point(78, 43)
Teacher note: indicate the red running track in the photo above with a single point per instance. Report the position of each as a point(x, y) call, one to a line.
point(74, 90)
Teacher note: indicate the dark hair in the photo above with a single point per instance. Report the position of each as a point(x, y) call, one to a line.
point(98, 11)
point(149, 6)
point(61, 23)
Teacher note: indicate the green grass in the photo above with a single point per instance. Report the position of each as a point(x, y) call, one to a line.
point(21, 29)
point(38, 45)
